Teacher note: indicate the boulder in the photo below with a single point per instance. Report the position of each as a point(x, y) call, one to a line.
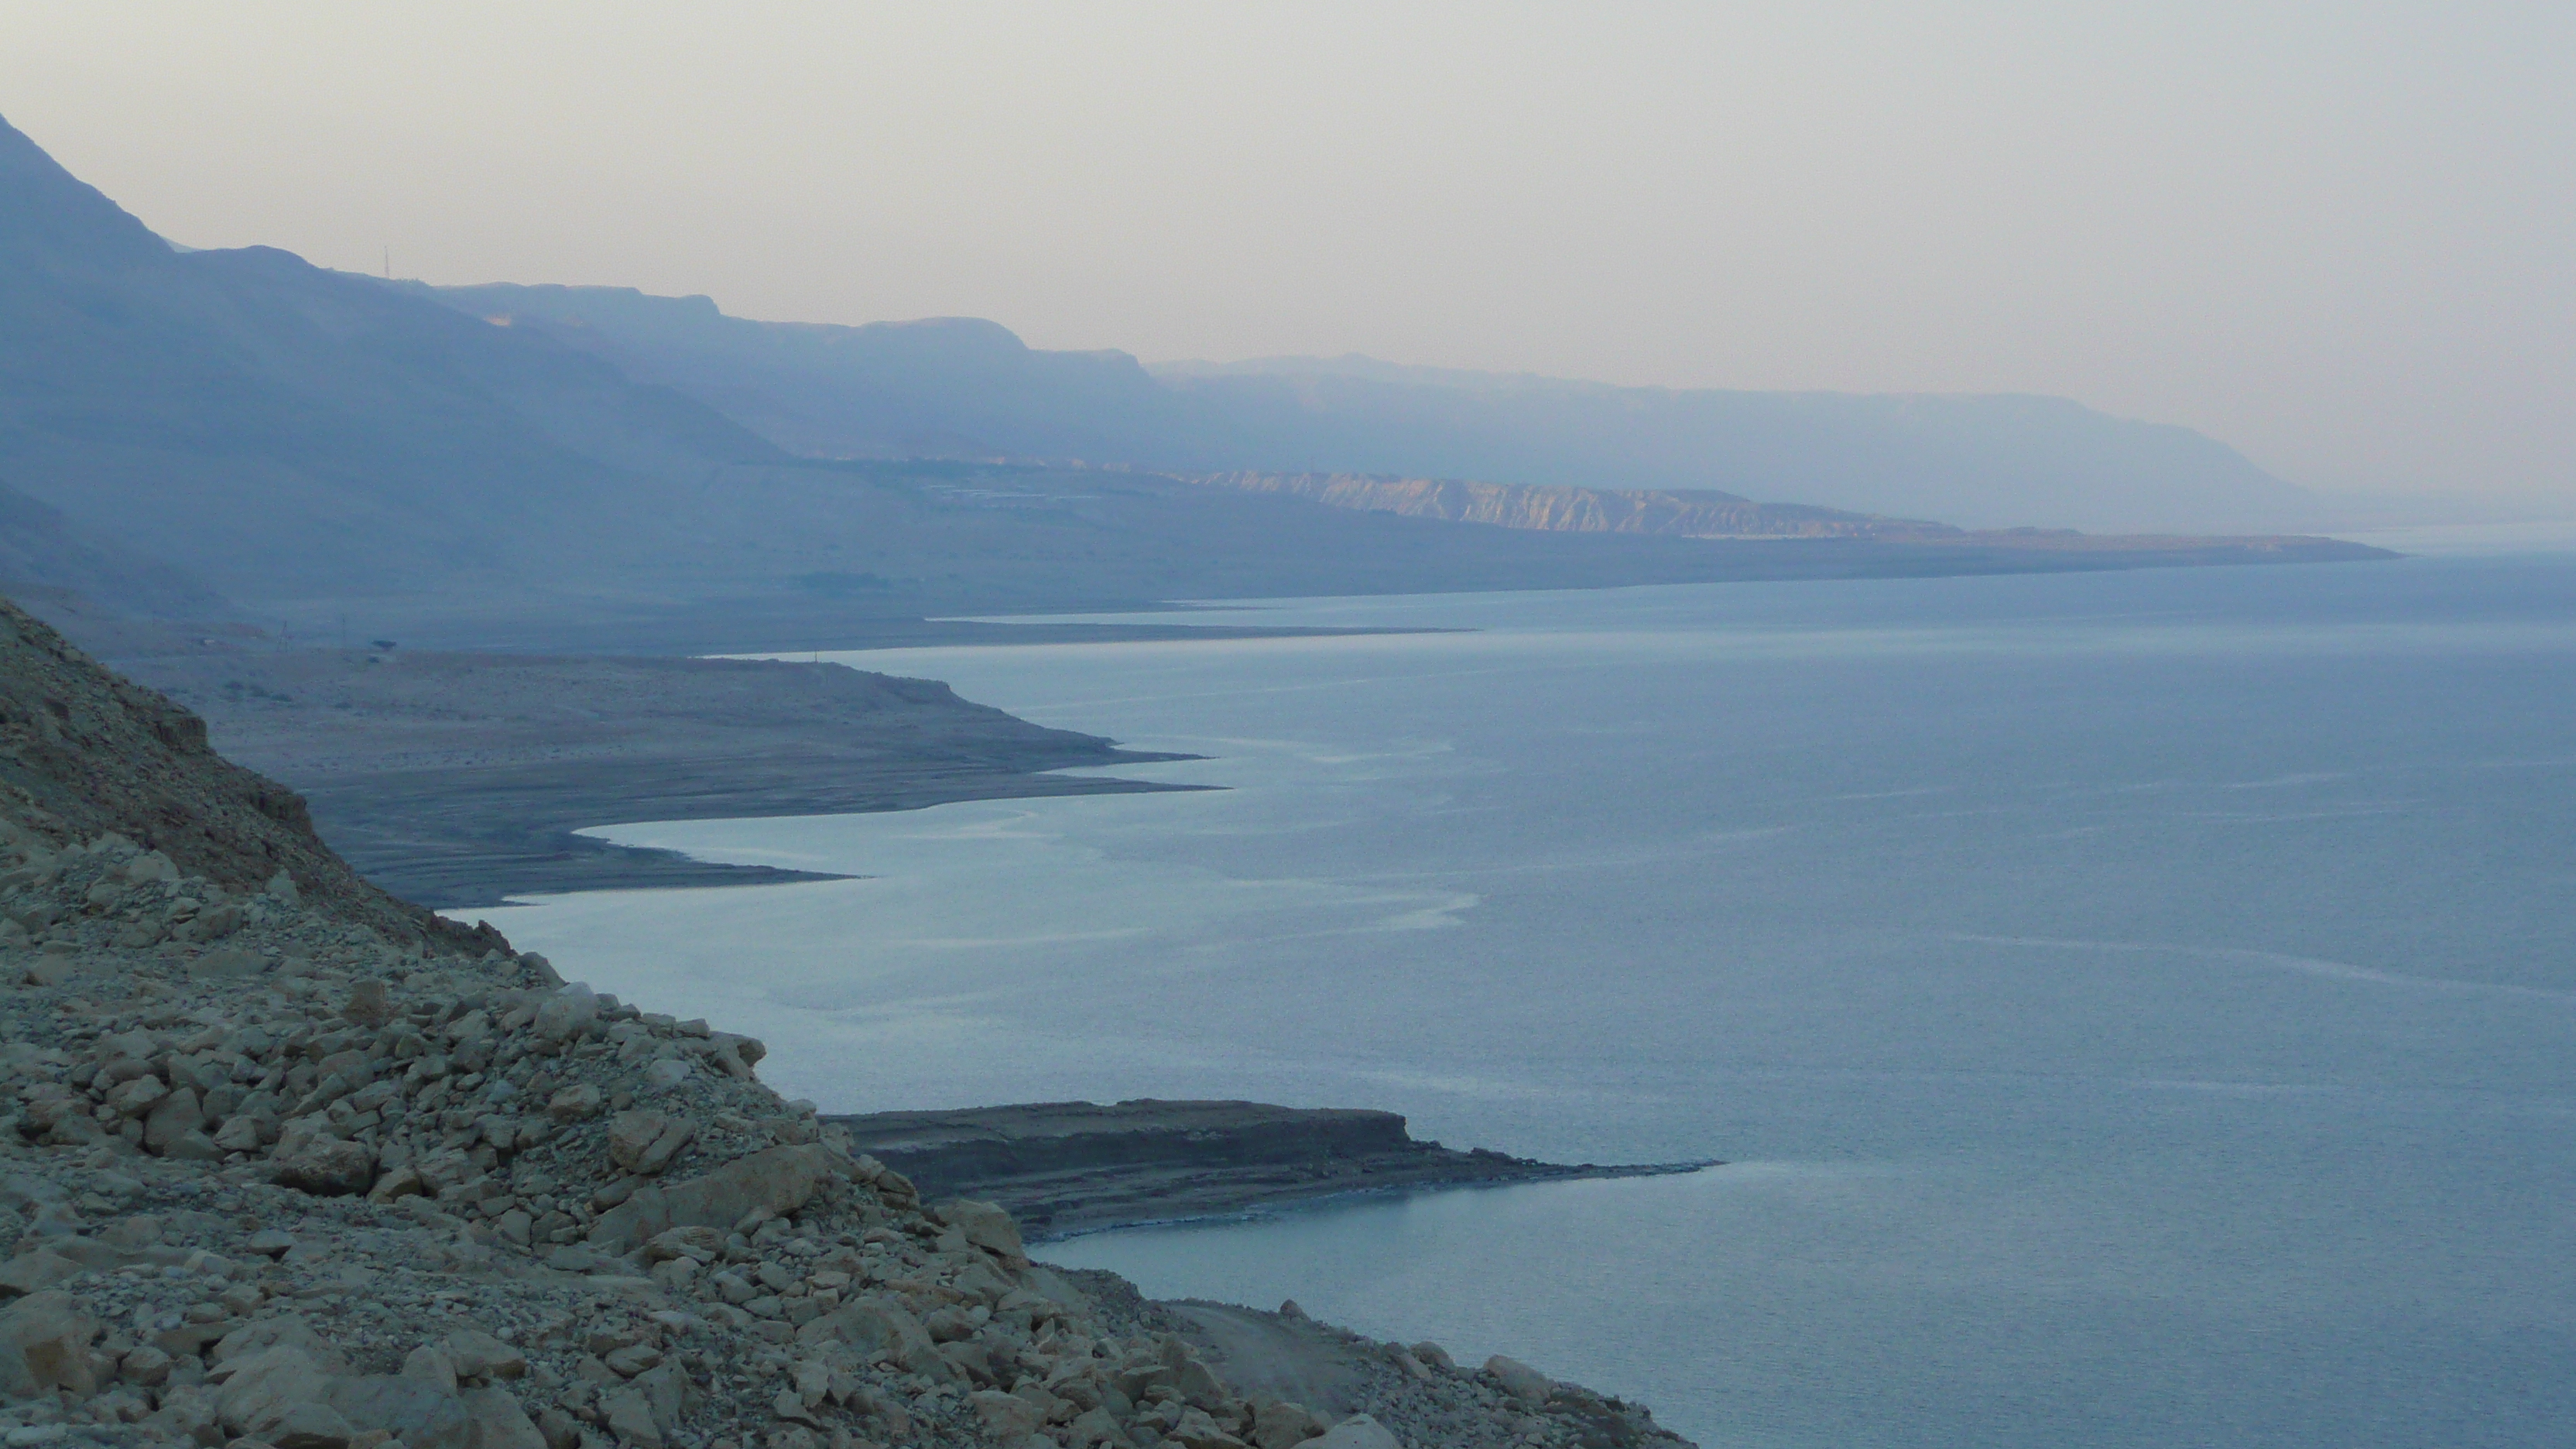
point(779, 1180)
point(987, 1227)
point(1197, 1431)
point(137, 1095)
point(699, 1244)
point(575, 1103)
point(370, 1004)
point(270, 1242)
point(430, 1365)
point(264, 1386)
point(1280, 1425)
point(644, 1143)
point(42, 1268)
point(1519, 1380)
point(499, 1422)
point(170, 1118)
point(421, 1414)
point(329, 1167)
point(309, 1426)
point(567, 1013)
point(17, 1381)
point(736, 1054)
point(152, 865)
point(215, 924)
point(1359, 1431)
point(1007, 1418)
point(479, 1356)
point(52, 1335)
point(630, 1418)
point(880, 1326)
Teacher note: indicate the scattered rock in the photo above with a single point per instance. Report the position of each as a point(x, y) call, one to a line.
point(370, 1004)
point(1519, 1380)
point(329, 1167)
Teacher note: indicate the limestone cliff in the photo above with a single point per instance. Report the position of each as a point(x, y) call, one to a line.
point(1693, 514)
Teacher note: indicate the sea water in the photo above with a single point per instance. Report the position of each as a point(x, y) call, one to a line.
point(2135, 1008)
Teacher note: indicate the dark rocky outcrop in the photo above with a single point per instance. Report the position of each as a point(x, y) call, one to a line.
point(1071, 1167)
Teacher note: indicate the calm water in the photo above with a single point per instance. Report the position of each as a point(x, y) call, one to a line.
point(2139, 1008)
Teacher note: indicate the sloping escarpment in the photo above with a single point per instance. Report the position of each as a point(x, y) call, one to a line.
point(1070, 1167)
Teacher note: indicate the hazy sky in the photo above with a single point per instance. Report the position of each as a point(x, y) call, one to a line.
point(2341, 236)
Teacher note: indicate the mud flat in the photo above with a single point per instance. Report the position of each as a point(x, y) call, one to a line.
point(457, 780)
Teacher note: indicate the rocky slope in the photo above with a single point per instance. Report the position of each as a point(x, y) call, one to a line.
point(283, 1167)
point(84, 752)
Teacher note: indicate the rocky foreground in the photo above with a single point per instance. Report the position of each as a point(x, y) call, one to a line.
point(273, 1178)
point(285, 1162)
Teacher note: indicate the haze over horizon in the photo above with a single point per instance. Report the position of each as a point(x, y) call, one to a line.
point(2334, 242)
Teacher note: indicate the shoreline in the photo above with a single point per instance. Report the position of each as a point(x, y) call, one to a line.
point(458, 781)
point(1286, 1205)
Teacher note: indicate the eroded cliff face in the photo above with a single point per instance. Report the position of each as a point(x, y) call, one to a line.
point(1577, 510)
point(282, 1168)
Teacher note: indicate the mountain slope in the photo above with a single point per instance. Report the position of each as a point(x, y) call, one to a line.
point(41, 551)
point(285, 431)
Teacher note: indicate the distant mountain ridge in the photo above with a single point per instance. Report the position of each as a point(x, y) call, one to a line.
point(965, 388)
point(227, 436)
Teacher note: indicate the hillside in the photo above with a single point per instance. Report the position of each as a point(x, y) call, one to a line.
point(84, 753)
point(278, 431)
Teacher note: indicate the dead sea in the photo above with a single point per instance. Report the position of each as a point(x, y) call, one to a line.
point(2134, 1006)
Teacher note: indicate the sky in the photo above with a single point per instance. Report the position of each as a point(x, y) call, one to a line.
point(2338, 236)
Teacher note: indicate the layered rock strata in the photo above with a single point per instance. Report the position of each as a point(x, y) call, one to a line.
point(1062, 1168)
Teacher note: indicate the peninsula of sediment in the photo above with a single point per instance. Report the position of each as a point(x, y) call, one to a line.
point(1063, 1168)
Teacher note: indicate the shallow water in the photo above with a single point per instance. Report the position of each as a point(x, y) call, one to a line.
point(2138, 1007)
